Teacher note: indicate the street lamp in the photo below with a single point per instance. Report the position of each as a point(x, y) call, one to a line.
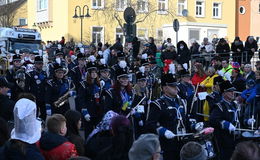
point(81, 16)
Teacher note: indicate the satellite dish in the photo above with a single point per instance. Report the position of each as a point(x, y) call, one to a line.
point(185, 12)
point(129, 15)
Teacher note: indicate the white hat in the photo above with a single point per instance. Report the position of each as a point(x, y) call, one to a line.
point(26, 127)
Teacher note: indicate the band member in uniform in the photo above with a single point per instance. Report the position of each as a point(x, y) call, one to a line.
point(167, 116)
point(16, 75)
point(141, 91)
point(78, 73)
point(105, 81)
point(120, 57)
point(35, 83)
point(119, 97)
point(215, 97)
point(58, 90)
point(185, 88)
point(59, 58)
point(224, 118)
point(89, 98)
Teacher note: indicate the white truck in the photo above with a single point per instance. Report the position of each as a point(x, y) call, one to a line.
point(12, 39)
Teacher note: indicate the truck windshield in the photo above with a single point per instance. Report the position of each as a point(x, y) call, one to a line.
point(31, 47)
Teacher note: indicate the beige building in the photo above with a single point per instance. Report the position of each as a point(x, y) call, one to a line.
point(255, 18)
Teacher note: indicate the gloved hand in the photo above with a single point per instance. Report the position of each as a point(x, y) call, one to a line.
point(199, 126)
point(231, 127)
point(85, 114)
point(250, 121)
point(48, 109)
point(228, 126)
point(141, 123)
point(73, 93)
point(165, 132)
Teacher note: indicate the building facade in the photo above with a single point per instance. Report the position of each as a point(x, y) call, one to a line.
point(198, 19)
point(13, 13)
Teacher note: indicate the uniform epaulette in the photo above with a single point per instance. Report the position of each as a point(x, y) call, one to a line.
point(50, 82)
point(29, 73)
point(220, 106)
point(83, 84)
point(211, 96)
point(73, 69)
point(157, 103)
point(109, 92)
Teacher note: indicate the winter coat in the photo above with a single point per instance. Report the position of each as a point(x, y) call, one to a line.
point(7, 152)
point(223, 50)
point(168, 55)
point(239, 83)
point(56, 147)
point(208, 83)
point(6, 107)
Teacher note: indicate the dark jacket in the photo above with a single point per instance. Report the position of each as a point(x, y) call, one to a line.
point(117, 46)
point(223, 50)
point(6, 108)
point(239, 83)
point(10, 152)
point(183, 54)
point(168, 55)
point(153, 48)
point(54, 146)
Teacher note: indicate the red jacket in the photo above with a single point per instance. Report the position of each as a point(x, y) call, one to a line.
point(196, 79)
point(56, 147)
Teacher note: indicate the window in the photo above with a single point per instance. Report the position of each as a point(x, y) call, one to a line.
point(194, 34)
point(120, 34)
point(216, 10)
point(121, 5)
point(242, 10)
point(22, 22)
point(159, 35)
point(97, 34)
point(142, 6)
point(259, 8)
point(181, 6)
point(42, 4)
point(162, 6)
point(142, 34)
point(200, 8)
point(97, 4)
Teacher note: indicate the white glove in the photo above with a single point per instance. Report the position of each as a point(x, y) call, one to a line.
point(169, 135)
point(87, 117)
point(231, 127)
point(199, 126)
point(250, 121)
point(141, 123)
point(48, 112)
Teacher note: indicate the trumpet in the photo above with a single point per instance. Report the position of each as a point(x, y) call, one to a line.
point(63, 99)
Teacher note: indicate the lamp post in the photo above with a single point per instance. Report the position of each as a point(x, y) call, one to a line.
point(81, 16)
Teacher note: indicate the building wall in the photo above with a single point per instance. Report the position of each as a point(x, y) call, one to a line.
point(255, 18)
point(56, 24)
point(243, 20)
point(21, 12)
point(64, 25)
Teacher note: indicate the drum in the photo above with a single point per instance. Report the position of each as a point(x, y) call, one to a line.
point(207, 142)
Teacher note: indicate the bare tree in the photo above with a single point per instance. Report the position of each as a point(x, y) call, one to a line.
point(8, 12)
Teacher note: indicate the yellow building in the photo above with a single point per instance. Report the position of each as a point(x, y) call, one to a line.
point(202, 18)
point(13, 13)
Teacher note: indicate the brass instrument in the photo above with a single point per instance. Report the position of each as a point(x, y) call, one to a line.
point(3, 65)
point(63, 99)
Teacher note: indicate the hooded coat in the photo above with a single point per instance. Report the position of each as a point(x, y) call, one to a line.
point(183, 53)
point(54, 146)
